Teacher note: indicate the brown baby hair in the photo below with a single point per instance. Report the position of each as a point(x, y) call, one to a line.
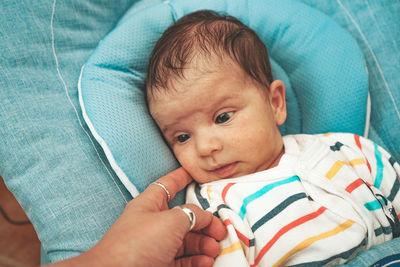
point(206, 33)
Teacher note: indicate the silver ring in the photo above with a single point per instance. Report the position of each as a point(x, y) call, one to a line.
point(190, 214)
point(164, 188)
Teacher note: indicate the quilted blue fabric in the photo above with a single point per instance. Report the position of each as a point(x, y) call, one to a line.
point(321, 64)
point(376, 27)
point(48, 158)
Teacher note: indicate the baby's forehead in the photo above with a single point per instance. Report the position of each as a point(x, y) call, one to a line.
point(204, 67)
point(189, 76)
point(201, 72)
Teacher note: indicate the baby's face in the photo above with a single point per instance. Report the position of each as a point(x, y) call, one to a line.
point(220, 125)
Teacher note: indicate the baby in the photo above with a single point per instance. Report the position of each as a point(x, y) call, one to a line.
point(293, 200)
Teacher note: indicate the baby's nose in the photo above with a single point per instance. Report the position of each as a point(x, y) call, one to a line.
point(207, 144)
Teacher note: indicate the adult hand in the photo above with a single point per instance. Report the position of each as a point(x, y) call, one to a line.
point(149, 234)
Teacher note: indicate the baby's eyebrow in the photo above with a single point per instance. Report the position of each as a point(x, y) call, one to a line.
point(168, 128)
point(165, 129)
point(219, 101)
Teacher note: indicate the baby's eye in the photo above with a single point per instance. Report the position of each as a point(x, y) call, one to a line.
point(183, 138)
point(223, 117)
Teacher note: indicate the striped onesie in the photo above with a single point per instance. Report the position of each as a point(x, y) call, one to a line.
point(330, 196)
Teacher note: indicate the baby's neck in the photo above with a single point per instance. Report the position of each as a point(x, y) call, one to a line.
point(277, 158)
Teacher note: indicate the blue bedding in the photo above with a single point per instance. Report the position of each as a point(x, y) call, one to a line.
point(50, 160)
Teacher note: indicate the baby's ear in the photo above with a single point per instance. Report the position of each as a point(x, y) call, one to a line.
point(278, 102)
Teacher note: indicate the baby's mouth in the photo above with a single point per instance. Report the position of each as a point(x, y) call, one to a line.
point(225, 171)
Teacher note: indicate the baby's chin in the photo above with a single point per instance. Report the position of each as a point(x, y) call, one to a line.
point(207, 178)
point(202, 179)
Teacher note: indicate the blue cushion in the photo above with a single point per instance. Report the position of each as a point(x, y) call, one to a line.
point(318, 60)
point(386, 254)
point(48, 158)
point(375, 25)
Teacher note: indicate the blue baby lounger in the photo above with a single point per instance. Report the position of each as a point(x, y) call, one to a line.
point(321, 65)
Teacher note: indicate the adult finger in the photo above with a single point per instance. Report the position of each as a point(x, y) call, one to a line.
point(194, 261)
point(204, 221)
point(199, 244)
point(154, 198)
point(176, 181)
point(215, 229)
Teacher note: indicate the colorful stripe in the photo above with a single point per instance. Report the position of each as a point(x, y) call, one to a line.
point(283, 205)
point(209, 192)
point(232, 248)
point(387, 230)
point(221, 206)
point(203, 202)
point(339, 164)
point(358, 143)
point(344, 255)
point(357, 140)
point(395, 189)
point(379, 167)
point(225, 191)
point(373, 205)
point(354, 185)
point(286, 229)
point(309, 241)
point(245, 240)
point(262, 192)
point(335, 169)
point(359, 161)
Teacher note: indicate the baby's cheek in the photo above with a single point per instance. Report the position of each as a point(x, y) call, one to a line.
point(257, 140)
point(182, 160)
point(238, 134)
point(236, 139)
point(187, 161)
point(244, 137)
